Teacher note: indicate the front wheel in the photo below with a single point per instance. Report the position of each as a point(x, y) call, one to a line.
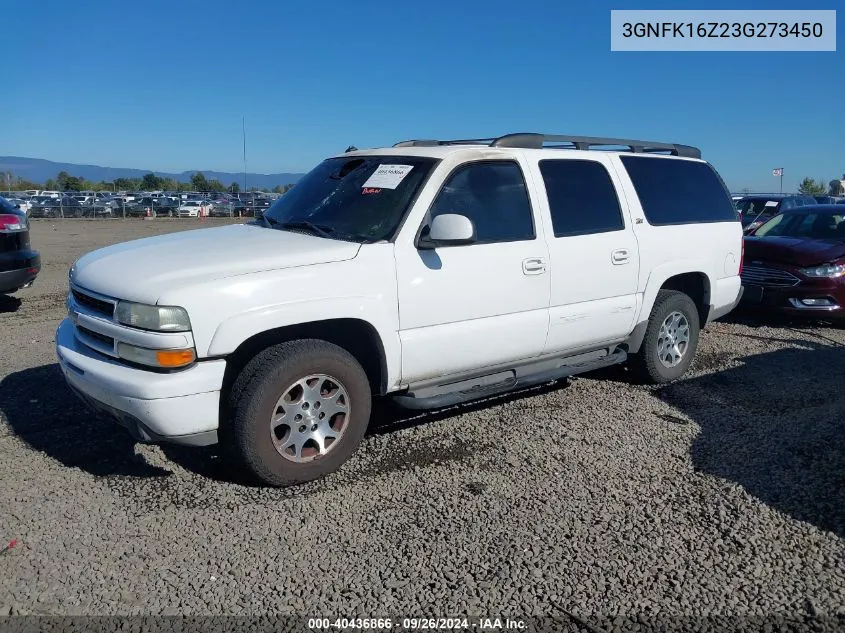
point(298, 411)
point(671, 338)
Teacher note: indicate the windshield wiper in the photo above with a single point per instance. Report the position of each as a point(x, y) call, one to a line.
point(322, 230)
point(319, 229)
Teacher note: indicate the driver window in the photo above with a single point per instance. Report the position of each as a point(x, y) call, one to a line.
point(493, 196)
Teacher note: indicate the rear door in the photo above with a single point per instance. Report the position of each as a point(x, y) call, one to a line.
point(593, 253)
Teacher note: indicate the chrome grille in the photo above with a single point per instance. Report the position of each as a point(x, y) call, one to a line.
point(100, 306)
point(769, 277)
point(96, 341)
point(102, 338)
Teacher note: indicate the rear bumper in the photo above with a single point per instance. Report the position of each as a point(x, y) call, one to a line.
point(180, 407)
point(17, 269)
point(725, 296)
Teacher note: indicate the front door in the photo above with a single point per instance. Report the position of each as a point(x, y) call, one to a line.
point(464, 307)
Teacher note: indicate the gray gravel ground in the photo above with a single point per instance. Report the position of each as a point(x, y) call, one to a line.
point(721, 495)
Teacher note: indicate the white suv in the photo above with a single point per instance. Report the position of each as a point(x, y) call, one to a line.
point(434, 272)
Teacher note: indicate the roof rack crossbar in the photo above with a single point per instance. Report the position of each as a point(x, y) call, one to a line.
point(435, 143)
point(538, 141)
point(532, 140)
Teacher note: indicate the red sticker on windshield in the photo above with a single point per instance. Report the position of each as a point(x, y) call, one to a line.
point(367, 190)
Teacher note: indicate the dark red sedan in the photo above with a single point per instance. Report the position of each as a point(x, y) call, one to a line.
point(794, 264)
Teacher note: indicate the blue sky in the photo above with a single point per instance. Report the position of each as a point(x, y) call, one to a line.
point(163, 85)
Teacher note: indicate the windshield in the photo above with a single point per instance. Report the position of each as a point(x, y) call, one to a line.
point(752, 207)
point(358, 197)
point(814, 226)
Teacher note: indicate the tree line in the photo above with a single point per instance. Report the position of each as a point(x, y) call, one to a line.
point(813, 187)
point(150, 182)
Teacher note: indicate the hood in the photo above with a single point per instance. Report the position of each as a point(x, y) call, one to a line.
point(142, 270)
point(792, 251)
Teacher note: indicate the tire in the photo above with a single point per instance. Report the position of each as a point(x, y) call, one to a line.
point(278, 373)
point(647, 363)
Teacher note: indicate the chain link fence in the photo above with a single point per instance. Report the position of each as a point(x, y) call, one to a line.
point(75, 205)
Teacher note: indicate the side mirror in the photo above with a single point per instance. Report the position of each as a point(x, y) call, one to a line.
point(448, 229)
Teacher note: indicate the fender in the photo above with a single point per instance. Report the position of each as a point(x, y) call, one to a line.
point(233, 331)
point(658, 276)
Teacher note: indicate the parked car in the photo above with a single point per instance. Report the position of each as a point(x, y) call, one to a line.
point(225, 209)
point(255, 206)
point(132, 209)
point(794, 264)
point(41, 207)
point(167, 207)
point(63, 206)
point(193, 208)
point(258, 207)
point(756, 209)
point(98, 210)
point(433, 273)
point(19, 264)
point(106, 206)
point(20, 203)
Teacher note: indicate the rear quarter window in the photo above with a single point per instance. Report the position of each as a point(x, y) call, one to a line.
point(677, 191)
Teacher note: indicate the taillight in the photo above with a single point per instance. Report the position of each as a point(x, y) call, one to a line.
point(11, 222)
point(742, 256)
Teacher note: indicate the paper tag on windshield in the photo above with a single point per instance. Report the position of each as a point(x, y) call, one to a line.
point(387, 176)
point(772, 203)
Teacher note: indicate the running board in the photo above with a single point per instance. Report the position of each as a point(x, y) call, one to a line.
point(568, 367)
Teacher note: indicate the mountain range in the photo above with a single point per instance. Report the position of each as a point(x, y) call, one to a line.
point(39, 170)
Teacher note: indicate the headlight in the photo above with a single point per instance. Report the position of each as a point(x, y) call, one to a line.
point(156, 318)
point(167, 358)
point(825, 270)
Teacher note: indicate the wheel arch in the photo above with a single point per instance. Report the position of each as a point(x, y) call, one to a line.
point(358, 337)
point(694, 283)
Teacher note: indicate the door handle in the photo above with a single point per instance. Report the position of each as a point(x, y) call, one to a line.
point(620, 256)
point(534, 266)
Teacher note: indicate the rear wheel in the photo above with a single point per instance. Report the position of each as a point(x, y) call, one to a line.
point(671, 338)
point(299, 411)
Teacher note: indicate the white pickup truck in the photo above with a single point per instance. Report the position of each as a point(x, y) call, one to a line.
point(433, 272)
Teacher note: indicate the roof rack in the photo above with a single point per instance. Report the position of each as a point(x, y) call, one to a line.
point(531, 140)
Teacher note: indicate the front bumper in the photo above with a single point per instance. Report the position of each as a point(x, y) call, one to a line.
point(181, 407)
point(790, 301)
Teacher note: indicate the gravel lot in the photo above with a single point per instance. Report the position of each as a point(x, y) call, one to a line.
point(721, 495)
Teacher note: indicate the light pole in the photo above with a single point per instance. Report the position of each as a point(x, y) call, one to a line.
point(778, 171)
point(243, 132)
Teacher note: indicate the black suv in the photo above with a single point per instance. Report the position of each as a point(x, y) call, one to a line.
point(756, 209)
point(19, 264)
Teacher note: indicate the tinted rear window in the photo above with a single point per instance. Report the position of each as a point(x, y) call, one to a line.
point(6, 206)
point(582, 198)
point(676, 191)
